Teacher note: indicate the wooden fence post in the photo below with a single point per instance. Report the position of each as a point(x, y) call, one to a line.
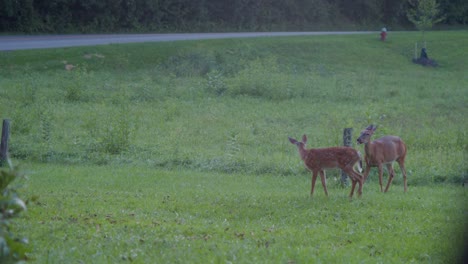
point(347, 141)
point(4, 142)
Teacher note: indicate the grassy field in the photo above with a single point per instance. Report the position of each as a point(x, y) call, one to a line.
point(111, 214)
point(229, 105)
point(179, 152)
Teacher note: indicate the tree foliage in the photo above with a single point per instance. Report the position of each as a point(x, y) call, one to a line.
point(424, 14)
point(12, 248)
point(88, 16)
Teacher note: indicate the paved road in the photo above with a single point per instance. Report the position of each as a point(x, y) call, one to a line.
point(59, 41)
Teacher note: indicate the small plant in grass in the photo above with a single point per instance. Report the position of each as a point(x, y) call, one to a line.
point(216, 83)
point(189, 64)
point(118, 130)
point(73, 91)
point(29, 91)
point(46, 128)
point(261, 78)
point(74, 85)
point(116, 137)
point(232, 150)
point(22, 120)
point(12, 248)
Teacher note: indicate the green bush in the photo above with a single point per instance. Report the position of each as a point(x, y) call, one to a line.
point(116, 127)
point(261, 78)
point(12, 248)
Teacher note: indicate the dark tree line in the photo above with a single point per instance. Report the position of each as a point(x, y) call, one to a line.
point(87, 16)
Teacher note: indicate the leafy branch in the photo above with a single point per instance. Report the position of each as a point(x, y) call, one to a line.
point(12, 249)
point(424, 14)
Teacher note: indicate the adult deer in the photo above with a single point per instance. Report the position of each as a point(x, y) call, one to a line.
point(319, 159)
point(384, 150)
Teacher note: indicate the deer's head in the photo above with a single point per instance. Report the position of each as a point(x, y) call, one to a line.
point(299, 144)
point(366, 134)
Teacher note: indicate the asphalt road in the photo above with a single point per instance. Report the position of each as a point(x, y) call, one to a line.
point(22, 42)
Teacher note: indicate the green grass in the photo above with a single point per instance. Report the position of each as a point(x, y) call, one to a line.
point(110, 214)
point(229, 105)
point(179, 151)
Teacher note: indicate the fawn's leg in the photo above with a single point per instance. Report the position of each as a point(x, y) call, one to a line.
point(353, 185)
point(360, 181)
point(324, 181)
point(314, 178)
point(355, 178)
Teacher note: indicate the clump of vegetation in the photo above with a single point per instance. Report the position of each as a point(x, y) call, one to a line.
point(111, 131)
point(74, 84)
point(216, 82)
point(12, 248)
point(261, 78)
point(424, 14)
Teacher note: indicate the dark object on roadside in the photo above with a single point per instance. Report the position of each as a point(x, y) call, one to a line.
point(424, 59)
point(424, 53)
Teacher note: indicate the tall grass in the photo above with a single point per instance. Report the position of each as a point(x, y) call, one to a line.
point(229, 105)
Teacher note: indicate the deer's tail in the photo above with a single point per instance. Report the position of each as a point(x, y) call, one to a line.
point(360, 162)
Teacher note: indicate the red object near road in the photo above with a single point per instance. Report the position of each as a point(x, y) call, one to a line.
point(383, 34)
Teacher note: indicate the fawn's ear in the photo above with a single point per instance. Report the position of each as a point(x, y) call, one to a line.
point(371, 128)
point(292, 140)
point(304, 139)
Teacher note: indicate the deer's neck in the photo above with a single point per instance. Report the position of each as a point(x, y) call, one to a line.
point(368, 148)
point(303, 153)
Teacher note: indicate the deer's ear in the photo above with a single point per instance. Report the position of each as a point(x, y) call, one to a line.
point(371, 127)
point(304, 139)
point(374, 127)
point(292, 140)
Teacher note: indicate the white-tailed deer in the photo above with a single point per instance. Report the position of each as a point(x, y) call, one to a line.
point(384, 150)
point(319, 159)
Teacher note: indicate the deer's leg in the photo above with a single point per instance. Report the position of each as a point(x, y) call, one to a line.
point(366, 172)
point(314, 178)
point(380, 176)
point(355, 178)
point(324, 181)
point(401, 162)
point(353, 185)
point(391, 174)
point(360, 181)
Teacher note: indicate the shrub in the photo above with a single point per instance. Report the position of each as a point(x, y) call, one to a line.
point(113, 132)
point(261, 78)
point(216, 83)
point(12, 249)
